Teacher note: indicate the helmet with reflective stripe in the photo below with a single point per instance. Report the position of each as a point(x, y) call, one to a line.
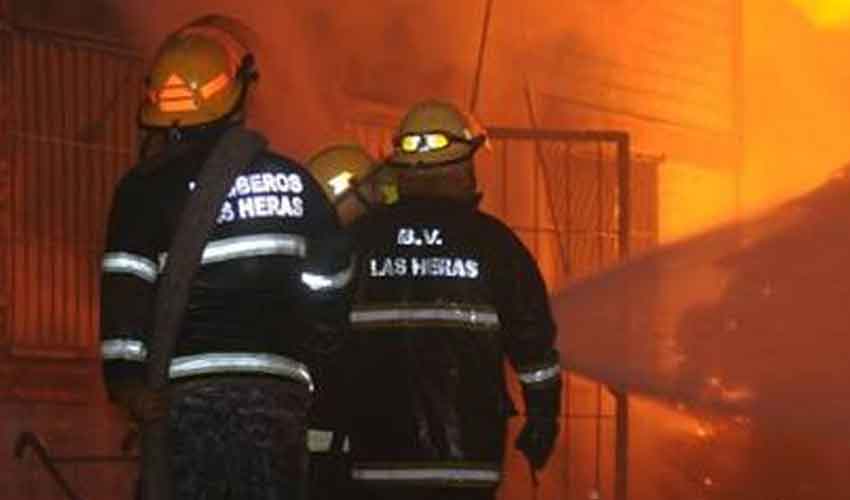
point(339, 167)
point(348, 172)
point(200, 75)
point(433, 151)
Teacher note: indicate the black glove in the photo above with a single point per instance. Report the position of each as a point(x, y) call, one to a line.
point(537, 438)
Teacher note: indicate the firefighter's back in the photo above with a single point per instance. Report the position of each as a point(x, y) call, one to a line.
point(427, 343)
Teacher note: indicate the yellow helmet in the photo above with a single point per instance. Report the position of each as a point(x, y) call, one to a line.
point(340, 167)
point(349, 172)
point(434, 133)
point(200, 75)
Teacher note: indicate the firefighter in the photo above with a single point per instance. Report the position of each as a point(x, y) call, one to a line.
point(443, 293)
point(265, 304)
point(352, 179)
point(355, 183)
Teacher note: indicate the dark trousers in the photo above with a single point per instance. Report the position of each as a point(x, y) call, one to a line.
point(329, 477)
point(239, 438)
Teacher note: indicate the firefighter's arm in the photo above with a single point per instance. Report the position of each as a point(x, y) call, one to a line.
point(529, 343)
point(129, 271)
point(327, 275)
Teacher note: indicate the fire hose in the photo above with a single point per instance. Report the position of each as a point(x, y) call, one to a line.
point(231, 154)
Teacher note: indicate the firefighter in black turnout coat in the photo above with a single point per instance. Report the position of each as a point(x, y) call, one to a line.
point(260, 312)
point(443, 293)
point(356, 183)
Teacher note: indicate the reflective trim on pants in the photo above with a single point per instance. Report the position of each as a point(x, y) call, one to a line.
point(321, 441)
point(428, 473)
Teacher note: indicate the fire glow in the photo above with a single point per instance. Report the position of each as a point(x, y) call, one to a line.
point(825, 13)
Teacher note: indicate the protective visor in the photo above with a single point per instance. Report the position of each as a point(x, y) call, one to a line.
point(430, 141)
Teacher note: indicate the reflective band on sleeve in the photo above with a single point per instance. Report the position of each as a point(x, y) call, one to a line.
point(129, 263)
point(427, 474)
point(123, 349)
point(541, 375)
point(239, 362)
point(319, 282)
point(460, 315)
point(255, 245)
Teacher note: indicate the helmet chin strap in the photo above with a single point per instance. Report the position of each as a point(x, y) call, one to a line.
point(177, 134)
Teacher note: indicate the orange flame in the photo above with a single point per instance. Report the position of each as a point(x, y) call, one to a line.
point(825, 13)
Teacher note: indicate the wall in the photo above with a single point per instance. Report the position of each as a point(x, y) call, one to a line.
point(664, 71)
point(70, 136)
point(92, 19)
point(5, 175)
point(66, 134)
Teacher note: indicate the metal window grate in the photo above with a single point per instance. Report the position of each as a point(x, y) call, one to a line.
point(71, 135)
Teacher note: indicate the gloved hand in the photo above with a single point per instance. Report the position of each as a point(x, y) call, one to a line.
point(542, 407)
point(537, 439)
point(142, 403)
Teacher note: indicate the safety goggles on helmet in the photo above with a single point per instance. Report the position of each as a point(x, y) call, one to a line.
point(434, 140)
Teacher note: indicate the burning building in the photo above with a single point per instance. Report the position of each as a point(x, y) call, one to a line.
point(614, 126)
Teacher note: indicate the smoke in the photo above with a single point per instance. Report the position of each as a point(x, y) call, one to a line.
point(747, 322)
point(99, 17)
point(795, 105)
point(321, 60)
point(287, 104)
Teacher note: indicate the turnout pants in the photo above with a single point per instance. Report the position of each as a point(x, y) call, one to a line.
point(239, 438)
